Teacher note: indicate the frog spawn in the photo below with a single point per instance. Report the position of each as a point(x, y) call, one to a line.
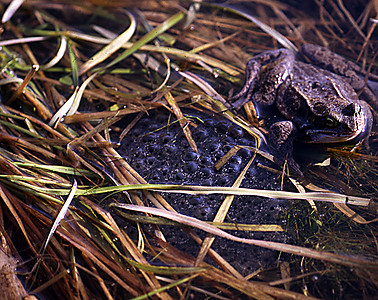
point(164, 156)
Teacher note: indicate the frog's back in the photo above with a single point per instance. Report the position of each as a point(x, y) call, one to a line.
point(315, 83)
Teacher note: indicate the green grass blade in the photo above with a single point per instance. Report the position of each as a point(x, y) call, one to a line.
point(149, 37)
point(74, 66)
point(110, 48)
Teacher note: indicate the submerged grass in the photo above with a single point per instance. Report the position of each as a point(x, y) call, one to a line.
point(63, 89)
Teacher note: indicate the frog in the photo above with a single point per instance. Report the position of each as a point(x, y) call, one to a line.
point(303, 102)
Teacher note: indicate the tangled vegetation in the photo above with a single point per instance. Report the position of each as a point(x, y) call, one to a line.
point(70, 70)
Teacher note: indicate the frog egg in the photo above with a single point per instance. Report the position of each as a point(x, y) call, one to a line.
point(151, 160)
point(138, 164)
point(170, 149)
point(190, 167)
point(222, 126)
point(236, 160)
point(205, 160)
point(247, 142)
point(229, 140)
point(245, 153)
point(223, 181)
point(233, 168)
point(207, 182)
point(204, 212)
point(195, 200)
point(201, 134)
point(166, 137)
point(138, 153)
point(212, 145)
point(206, 172)
point(219, 154)
point(236, 132)
point(164, 171)
point(153, 148)
point(190, 155)
point(179, 176)
point(156, 177)
point(209, 123)
point(149, 137)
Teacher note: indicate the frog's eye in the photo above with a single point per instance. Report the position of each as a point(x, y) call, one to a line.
point(330, 122)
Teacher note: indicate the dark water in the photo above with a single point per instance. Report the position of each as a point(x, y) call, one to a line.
point(161, 154)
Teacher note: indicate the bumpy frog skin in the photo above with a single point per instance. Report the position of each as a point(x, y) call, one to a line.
point(352, 73)
point(314, 105)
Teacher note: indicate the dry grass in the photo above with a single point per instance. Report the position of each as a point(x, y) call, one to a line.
point(72, 69)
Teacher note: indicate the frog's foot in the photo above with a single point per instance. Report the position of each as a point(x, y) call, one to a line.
point(281, 141)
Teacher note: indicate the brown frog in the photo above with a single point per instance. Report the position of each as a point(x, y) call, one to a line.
point(303, 102)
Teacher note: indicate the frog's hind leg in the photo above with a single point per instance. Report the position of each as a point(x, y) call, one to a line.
point(279, 65)
point(278, 69)
point(252, 72)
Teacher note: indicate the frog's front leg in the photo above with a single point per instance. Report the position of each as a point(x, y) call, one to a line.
point(281, 136)
point(264, 74)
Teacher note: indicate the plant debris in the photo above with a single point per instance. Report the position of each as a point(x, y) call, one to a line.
point(78, 219)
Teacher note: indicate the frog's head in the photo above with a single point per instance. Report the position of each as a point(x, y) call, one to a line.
point(337, 120)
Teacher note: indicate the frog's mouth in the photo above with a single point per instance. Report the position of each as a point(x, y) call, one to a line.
point(327, 137)
point(339, 133)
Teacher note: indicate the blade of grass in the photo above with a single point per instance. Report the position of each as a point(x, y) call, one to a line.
point(11, 9)
point(60, 216)
point(208, 294)
point(111, 48)
point(25, 40)
point(208, 190)
point(21, 88)
point(164, 288)
point(72, 104)
point(57, 169)
point(74, 66)
point(301, 251)
point(226, 226)
point(274, 33)
point(59, 55)
point(221, 215)
point(19, 178)
point(182, 121)
point(185, 55)
point(148, 37)
point(14, 213)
